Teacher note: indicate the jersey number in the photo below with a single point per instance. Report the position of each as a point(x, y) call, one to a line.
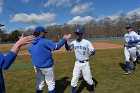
point(84, 53)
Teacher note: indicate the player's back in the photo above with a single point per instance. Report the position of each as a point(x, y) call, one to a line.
point(40, 53)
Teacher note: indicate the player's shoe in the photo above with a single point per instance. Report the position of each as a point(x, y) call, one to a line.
point(92, 88)
point(128, 72)
point(39, 91)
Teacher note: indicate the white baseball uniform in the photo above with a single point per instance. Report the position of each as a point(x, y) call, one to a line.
point(138, 49)
point(130, 49)
point(82, 64)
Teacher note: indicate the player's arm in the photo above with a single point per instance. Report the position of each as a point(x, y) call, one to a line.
point(69, 47)
point(126, 39)
point(133, 42)
point(60, 44)
point(91, 50)
point(54, 46)
point(91, 53)
point(136, 39)
point(11, 56)
point(8, 59)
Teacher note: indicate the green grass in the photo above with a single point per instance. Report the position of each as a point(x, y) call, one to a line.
point(105, 67)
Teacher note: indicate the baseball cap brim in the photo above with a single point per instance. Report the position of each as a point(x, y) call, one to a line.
point(45, 32)
point(128, 27)
point(78, 33)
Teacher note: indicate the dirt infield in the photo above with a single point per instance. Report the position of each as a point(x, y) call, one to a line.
point(106, 46)
point(96, 45)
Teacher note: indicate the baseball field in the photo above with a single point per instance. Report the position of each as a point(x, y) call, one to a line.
point(107, 68)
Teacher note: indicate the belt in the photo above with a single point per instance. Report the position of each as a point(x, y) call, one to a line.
point(130, 46)
point(84, 61)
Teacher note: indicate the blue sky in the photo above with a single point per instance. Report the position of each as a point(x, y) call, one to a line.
point(17, 14)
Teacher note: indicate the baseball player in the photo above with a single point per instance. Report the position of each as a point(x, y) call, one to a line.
point(131, 39)
point(7, 60)
point(83, 50)
point(40, 50)
point(138, 47)
point(138, 31)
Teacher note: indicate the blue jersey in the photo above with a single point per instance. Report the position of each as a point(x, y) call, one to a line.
point(5, 62)
point(41, 51)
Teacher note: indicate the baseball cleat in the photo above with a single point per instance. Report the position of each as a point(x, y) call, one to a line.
point(92, 88)
point(128, 72)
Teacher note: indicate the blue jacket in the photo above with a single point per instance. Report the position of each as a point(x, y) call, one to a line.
point(5, 62)
point(41, 51)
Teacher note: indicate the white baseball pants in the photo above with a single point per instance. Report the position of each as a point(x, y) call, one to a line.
point(85, 69)
point(45, 74)
point(130, 52)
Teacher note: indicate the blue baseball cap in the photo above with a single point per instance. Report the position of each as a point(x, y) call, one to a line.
point(40, 29)
point(129, 26)
point(79, 31)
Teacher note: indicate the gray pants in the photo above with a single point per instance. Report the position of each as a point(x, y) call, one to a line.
point(45, 74)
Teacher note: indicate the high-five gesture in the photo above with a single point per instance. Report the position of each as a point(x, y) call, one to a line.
point(67, 36)
point(22, 41)
point(25, 39)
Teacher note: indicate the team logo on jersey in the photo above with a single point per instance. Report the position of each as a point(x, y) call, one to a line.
point(80, 47)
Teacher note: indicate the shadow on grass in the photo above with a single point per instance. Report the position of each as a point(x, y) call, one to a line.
point(62, 84)
point(84, 84)
point(122, 65)
point(138, 58)
point(138, 61)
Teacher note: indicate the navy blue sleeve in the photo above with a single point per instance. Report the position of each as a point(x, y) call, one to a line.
point(132, 42)
point(29, 51)
point(92, 52)
point(67, 46)
point(60, 44)
point(8, 60)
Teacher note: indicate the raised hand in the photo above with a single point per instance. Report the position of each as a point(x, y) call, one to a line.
point(25, 39)
point(22, 41)
point(67, 36)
